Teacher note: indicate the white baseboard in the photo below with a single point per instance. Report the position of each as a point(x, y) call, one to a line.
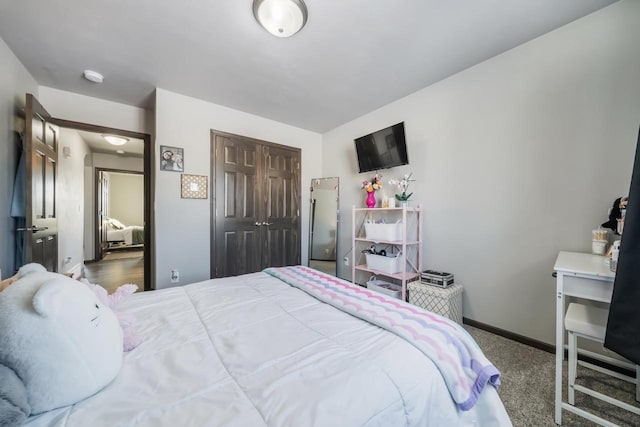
point(76, 271)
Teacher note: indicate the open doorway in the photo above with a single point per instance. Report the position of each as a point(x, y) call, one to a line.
point(115, 185)
point(118, 224)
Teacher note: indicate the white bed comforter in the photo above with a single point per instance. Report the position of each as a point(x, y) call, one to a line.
point(115, 235)
point(253, 351)
point(122, 235)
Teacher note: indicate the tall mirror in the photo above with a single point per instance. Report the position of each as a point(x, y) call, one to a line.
point(323, 225)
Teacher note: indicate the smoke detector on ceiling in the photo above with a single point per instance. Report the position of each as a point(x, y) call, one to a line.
point(93, 76)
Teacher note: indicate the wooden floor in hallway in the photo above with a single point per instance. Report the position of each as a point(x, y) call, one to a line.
point(117, 268)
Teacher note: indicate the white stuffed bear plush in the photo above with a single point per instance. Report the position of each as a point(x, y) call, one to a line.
point(58, 338)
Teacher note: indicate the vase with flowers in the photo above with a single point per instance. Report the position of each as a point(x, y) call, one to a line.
point(371, 187)
point(403, 185)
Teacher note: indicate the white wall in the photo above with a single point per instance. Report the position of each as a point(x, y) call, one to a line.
point(85, 109)
point(89, 203)
point(515, 159)
point(126, 198)
point(182, 225)
point(71, 201)
point(15, 82)
point(112, 161)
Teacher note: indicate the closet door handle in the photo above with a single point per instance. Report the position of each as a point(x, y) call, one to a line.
point(257, 224)
point(267, 223)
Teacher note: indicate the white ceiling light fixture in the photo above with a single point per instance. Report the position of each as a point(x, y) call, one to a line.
point(93, 76)
point(115, 140)
point(282, 18)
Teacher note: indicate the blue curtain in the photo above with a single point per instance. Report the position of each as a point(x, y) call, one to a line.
point(19, 207)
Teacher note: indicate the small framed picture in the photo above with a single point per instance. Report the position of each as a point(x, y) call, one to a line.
point(193, 186)
point(171, 158)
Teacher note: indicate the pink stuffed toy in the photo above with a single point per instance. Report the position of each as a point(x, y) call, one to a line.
point(127, 321)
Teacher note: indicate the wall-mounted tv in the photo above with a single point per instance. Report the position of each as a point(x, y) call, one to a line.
point(382, 149)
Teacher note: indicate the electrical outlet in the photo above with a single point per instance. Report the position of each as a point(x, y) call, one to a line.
point(346, 261)
point(175, 276)
point(67, 260)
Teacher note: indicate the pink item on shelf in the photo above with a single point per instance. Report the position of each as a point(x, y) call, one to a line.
point(371, 200)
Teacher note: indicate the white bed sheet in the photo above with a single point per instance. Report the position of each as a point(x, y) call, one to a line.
point(253, 351)
point(125, 235)
point(115, 235)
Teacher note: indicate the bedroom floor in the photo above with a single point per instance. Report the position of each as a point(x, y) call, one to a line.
point(328, 267)
point(527, 389)
point(117, 268)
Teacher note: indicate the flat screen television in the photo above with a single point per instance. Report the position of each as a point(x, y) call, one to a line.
point(382, 149)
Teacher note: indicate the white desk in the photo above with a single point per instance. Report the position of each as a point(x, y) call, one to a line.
point(584, 276)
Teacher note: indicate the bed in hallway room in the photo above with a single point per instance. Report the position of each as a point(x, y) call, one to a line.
point(118, 233)
point(290, 347)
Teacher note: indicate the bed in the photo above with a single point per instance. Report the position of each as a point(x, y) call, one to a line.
point(117, 232)
point(261, 350)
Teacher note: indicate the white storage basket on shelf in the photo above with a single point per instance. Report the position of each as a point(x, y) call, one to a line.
point(383, 232)
point(385, 264)
point(383, 287)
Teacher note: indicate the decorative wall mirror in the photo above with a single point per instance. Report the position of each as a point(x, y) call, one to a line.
point(323, 225)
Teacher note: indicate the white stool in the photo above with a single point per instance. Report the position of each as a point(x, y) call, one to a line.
point(591, 323)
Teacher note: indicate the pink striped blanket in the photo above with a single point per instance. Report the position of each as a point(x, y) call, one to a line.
point(464, 368)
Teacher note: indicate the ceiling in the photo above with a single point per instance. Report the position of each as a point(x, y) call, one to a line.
point(351, 58)
point(97, 144)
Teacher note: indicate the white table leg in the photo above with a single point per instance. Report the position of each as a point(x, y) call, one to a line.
point(573, 363)
point(559, 347)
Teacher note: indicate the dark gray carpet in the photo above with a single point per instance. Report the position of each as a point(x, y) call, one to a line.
point(527, 390)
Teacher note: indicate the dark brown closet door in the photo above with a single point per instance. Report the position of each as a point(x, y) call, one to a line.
point(281, 244)
point(255, 205)
point(236, 221)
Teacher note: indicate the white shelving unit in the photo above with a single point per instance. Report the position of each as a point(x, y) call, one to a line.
point(410, 245)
